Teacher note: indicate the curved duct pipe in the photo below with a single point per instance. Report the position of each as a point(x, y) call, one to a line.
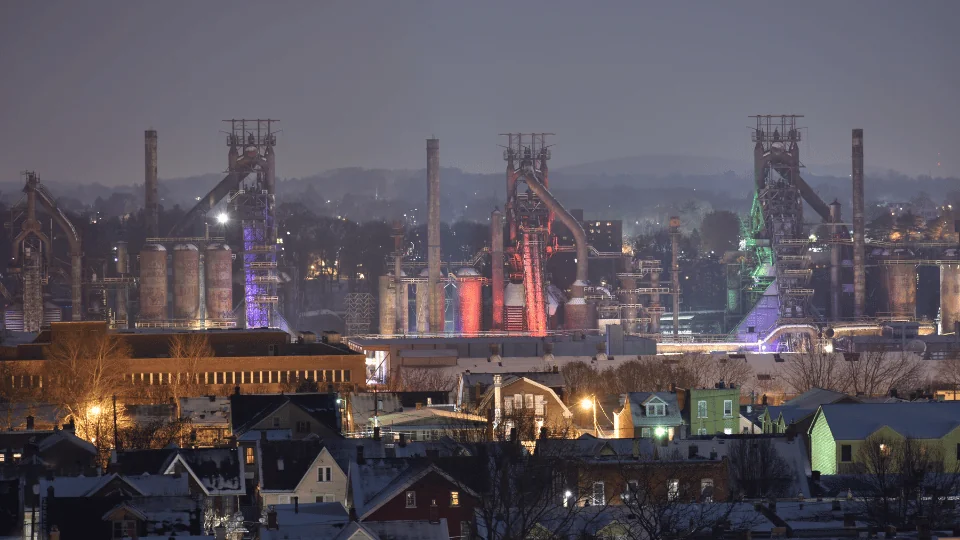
point(579, 236)
point(241, 168)
point(806, 191)
point(577, 313)
point(810, 330)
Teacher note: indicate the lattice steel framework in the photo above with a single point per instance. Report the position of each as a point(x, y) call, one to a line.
point(359, 313)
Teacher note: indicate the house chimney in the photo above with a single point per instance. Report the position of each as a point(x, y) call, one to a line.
point(692, 451)
point(296, 506)
point(360, 460)
point(543, 433)
point(403, 440)
point(54, 533)
point(236, 390)
point(263, 435)
point(763, 400)
point(376, 433)
point(815, 476)
point(713, 453)
point(30, 423)
point(272, 519)
point(513, 434)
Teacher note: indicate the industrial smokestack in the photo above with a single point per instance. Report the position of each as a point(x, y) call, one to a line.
point(859, 272)
point(835, 261)
point(496, 264)
point(675, 273)
point(151, 199)
point(433, 235)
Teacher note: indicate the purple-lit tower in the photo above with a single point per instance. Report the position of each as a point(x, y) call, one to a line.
point(254, 142)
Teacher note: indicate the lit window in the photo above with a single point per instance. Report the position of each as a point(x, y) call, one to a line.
point(702, 431)
point(454, 498)
point(249, 455)
point(645, 432)
point(656, 409)
point(411, 499)
point(701, 409)
point(884, 449)
point(598, 497)
point(728, 431)
point(727, 408)
point(673, 489)
point(508, 405)
point(17, 456)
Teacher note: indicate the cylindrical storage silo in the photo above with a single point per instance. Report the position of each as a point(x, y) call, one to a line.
point(513, 307)
point(186, 282)
point(949, 297)
point(423, 304)
point(471, 300)
point(900, 282)
point(153, 283)
point(388, 305)
point(218, 281)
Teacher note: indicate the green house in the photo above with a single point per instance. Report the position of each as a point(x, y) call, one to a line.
point(713, 411)
point(838, 431)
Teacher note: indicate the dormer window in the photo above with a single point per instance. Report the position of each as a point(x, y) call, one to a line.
point(656, 409)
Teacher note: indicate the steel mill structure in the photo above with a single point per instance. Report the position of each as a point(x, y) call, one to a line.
point(241, 208)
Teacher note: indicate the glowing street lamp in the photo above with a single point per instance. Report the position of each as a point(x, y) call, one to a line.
point(95, 410)
point(223, 218)
point(660, 431)
point(588, 403)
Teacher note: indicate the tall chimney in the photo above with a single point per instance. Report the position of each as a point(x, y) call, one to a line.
point(496, 264)
point(675, 273)
point(835, 261)
point(859, 272)
point(433, 235)
point(150, 184)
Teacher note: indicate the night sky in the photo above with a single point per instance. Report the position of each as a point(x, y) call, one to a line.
point(364, 83)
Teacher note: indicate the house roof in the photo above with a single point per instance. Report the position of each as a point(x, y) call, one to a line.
point(283, 464)
point(364, 404)
point(218, 471)
point(638, 410)
point(813, 398)
point(488, 395)
point(430, 416)
point(407, 530)
point(546, 378)
point(920, 420)
point(45, 439)
point(206, 410)
point(247, 410)
point(87, 486)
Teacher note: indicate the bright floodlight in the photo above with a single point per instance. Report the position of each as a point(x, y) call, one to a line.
point(586, 403)
point(222, 218)
point(95, 410)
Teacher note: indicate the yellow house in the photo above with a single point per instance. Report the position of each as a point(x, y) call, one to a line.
point(838, 432)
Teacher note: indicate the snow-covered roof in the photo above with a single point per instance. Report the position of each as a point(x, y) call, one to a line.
point(206, 410)
point(813, 398)
point(86, 486)
point(920, 420)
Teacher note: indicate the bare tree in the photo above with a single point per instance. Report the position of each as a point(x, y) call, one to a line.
point(814, 369)
point(421, 380)
point(875, 373)
point(187, 352)
point(757, 469)
point(906, 480)
point(83, 371)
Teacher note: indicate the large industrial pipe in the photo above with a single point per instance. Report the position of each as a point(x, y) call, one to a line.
point(151, 199)
point(859, 272)
point(577, 311)
point(496, 267)
point(433, 236)
point(835, 261)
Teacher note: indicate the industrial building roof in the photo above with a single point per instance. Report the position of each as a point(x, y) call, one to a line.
point(919, 420)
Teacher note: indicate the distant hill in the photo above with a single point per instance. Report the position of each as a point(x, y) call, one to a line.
point(659, 165)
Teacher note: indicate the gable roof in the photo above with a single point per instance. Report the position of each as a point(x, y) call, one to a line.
point(91, 486)
point(813, 398)
point(248, 410)
point(296, 457)
point(638, 410)
point(920, 420)
point(218, 471)
point(431, 417)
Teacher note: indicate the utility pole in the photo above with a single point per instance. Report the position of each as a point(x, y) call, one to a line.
point(116, 437)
